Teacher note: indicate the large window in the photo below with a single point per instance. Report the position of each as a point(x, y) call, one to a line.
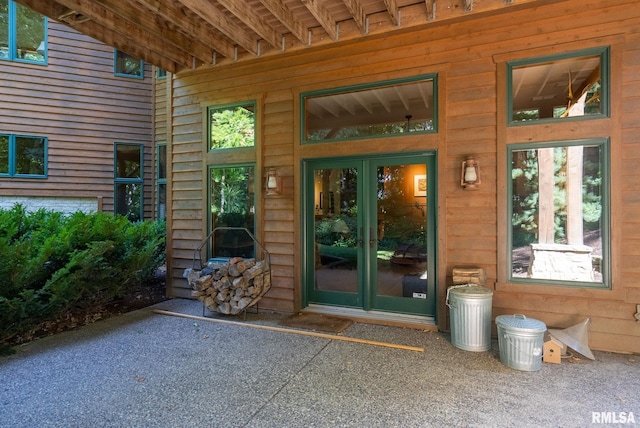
point(232, 208)
point(23, 156)
point(558, 87)
point(558, 211)
point(23, 34)
point(126, 65)
point(231, 126)
point(128, 180)
point(374, 110)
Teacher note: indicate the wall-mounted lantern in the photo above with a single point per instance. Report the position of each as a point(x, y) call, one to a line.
point(470, 174)
point(273, 182)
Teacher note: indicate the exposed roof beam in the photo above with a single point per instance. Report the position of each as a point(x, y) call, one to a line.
point(284, 15)
point(240, 10)
point(160, 29)
point(431, 9)
point(213, 16)
point(321, 14)
point(394, 12)
point(190, 25)
point(107, 35)
point(357, 12)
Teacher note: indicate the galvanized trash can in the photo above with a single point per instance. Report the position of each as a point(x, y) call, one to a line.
point(520, 341)
point(470, 316)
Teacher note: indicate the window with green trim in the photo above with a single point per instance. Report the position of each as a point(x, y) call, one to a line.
point(381, 109)
point(231, 126)
point(559, 87)
point(128, 180)
point(161, 181)
point(23, 33)
point(23, 156)
point(558, 209)
point(161, 73)
point(232, 208)
point(126, 65)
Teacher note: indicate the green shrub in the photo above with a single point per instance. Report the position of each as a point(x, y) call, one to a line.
point(53, 263)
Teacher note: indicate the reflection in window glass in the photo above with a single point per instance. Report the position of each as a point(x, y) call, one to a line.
point(364, 112)
point(4, 154)
point(128, 181)
point(30, 154)
point(557, 213)
point(231, 126)
point(128, 65)
point(558, 87)
point(232, 203)
point(129, 200)
point(30, 34)
point(162, 181)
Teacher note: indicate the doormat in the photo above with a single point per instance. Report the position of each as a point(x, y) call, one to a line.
point(319, 322)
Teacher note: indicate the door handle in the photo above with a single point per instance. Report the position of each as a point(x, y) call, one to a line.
point(372, 239)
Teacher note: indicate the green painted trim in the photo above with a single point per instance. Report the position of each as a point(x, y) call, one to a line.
point(12, 157)
point(119, 74)
point(119, 180)
point(604, 145)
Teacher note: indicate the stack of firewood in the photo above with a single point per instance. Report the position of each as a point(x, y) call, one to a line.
point(229, 288)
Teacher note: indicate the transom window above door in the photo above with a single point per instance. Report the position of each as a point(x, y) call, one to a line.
point(372, 110)
point(231, 126)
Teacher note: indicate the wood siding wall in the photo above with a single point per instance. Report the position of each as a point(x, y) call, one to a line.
point(469, 57)
point(82, 108)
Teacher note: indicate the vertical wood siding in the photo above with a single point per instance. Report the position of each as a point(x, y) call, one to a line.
point(82, 108)
point(467, 56)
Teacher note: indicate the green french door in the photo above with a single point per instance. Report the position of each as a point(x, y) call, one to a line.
point(369, 231)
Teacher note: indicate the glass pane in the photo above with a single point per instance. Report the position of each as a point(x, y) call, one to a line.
point(129, 200)
point(384, 110)
point(402, 220)
point(30, 39)
point(128, 161)
point(336, 229)
point(162, 162)
point(128, 65)
point(557, 89)
point(162, 201)
point(557, 213)
point(232, 198)
point(4, 29)
point(4, 154)
point(30, 156)
point(232, 127)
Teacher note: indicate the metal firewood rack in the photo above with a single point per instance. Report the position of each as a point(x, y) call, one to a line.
point(198, 263)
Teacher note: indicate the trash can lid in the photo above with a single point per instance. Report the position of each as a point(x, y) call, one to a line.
point(521, 323)
point(470, 290)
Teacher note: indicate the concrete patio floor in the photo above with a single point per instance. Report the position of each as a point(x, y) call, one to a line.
point(144, 369)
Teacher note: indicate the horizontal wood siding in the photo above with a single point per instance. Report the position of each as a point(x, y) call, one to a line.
point(467, 55)
point(82, 108)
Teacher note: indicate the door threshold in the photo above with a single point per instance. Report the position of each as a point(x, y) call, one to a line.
point(375, 317)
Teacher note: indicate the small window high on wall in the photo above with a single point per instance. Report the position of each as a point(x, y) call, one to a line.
point(559, 87)
point(559, 213)
point(231, 126)
point(127, 65)
point(373, 110)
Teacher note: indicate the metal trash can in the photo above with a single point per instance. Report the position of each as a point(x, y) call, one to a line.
point(470, 316)
point(520, 341)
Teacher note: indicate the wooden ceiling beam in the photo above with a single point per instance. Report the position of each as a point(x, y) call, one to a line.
point(191, 25)
point(357, 12)
point(246, 15)
point(394, 11)
point(321, 14)
point(106, 21)
point(284, 15)
point(141, 17)
point(213, 16)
